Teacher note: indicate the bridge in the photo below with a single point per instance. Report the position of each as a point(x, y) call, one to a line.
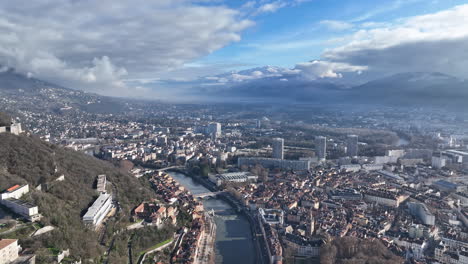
point(170, 168)
point(207, 194)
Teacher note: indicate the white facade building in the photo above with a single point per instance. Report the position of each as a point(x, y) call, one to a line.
point(98, 210)
point(438, 162)
point(384, 198)
point(233, 177)
point(10, 198)
point(9, 249)
point(15, 192)
point(421, 211)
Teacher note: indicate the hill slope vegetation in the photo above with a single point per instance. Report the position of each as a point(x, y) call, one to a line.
point(62, 203)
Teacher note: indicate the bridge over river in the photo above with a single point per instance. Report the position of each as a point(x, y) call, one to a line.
point(207, 194)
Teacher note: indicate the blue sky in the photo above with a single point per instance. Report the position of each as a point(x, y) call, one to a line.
point(295, 33)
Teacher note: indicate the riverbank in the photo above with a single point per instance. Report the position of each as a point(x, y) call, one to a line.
point(234, 230)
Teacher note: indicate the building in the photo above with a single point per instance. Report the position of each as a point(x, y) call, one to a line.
point(385, 159)
point(457, 157)
point(384, 197)
point(15, 192)
point(14, 128)
point(101, 183)
point(446, 186)
point(9, 250)
point(10, 198)
point(275, 163)
point(438, 162)
point(278, 148)
point(352, 146)
point(398, 153)
point(98, 210)
point(321, 148)
point(303, 247)
point(351, 167)
point(444, 256)
point(390, 175)
point(25, 209)
point(415, 247)
point(345, 195)
point(238, 177)
point(271, 216)
point(258, 123)
point(372, 167)
point(421, 211)
point(214, 129)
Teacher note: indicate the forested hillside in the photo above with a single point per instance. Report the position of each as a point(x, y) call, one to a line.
point(29, 160)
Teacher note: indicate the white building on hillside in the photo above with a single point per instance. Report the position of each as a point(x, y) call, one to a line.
point(98, 210)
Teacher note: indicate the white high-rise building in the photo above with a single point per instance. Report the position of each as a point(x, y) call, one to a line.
point(352, 146)
point(321, 148)
point(438, 162)
point(278, 148)
point(214, 129)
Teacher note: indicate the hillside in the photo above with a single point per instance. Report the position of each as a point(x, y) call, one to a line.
point(416, 88)
point(422, 89)
point(19, 92)
point(29, 160)
point(351, 250)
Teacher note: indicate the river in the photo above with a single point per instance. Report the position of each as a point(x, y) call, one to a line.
point(234, 243)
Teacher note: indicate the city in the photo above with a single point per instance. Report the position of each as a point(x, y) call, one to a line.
point(159, 132)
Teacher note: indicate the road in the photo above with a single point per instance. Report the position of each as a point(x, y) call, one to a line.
point(262, 256)
point(156, 249)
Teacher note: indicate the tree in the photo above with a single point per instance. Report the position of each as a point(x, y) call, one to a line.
point(5, 120)
point(205, 170)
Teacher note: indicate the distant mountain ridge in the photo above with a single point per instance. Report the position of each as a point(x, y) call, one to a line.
point(37, 95)
point(267, 84)
point(408, 89)
point(418, 88)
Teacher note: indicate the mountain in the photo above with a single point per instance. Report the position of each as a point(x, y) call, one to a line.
point(20, 91)
point(404, 89)
point(416, 88)
point(28, 160)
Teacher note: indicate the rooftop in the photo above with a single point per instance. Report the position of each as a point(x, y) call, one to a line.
point(6, 242)
point(97, 205)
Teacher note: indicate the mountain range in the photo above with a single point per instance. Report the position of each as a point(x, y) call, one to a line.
point(22, 92)
point(421, 89)
point(266, 84)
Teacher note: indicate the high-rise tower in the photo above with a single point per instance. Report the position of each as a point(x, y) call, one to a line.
point(321, 148)
point(278, 148)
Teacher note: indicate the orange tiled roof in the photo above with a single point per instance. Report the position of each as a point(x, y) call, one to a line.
point(6, 242)
point(13, 188)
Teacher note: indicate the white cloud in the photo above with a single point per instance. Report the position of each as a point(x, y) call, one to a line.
point(258, 7)
point(433, 42)
point(325, 69)
point(271, 7)
point(93, 45)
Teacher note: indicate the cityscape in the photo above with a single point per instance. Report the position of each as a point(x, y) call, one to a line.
point(171, 151)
